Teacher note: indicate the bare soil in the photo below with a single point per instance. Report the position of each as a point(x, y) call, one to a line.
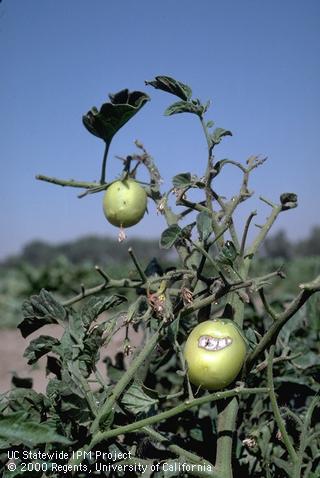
point(13, 345)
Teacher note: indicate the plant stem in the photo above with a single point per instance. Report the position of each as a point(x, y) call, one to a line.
point(174, 448)
point(228, 417)
point(104, 163)
point(137, 264)
point(67, 182)
point(281, 425)
point(305, 437)
point(245, 232)
point(126, 378)
point(132, 427)
point(281, 319)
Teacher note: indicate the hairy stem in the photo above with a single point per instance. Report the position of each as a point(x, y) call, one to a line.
point(126, 378)
point(281, 425)
point(132, 427)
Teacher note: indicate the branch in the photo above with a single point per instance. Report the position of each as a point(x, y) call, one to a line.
point(266, 305)
point(245, 232)
point(126, 378)
point(67, 182)
point(177, 450)
point(137, 264)
point(132, 427)
point(307, 290)
point(263, 232)
point(281, 425)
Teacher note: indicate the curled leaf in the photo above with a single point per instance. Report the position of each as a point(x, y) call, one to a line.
point(104, 123)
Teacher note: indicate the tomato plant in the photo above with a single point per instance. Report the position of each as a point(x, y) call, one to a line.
point(154, 409)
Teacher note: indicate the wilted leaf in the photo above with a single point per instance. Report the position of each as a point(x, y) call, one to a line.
point(170, 236)
point(182, 180)
point(227, 254)
point(21, 382)
point(16, 428)
point(96, 305)
point(40, 310)
point(39, 347)
point(135, 400)
point(183, 107)
point(170, 85)
point(218, 134)
point(204, 225)
point(112, 116)
point(288, 201)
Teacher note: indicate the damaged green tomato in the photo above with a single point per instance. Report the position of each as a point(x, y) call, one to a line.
point(124, 203)
point(215, 352)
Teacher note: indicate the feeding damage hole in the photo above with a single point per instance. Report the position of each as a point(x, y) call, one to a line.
point(208, 342)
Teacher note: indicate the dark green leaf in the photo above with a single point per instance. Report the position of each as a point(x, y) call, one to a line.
point(39, 347)
point(170, 85)
point(183, 107)
point(170, 236)
point(204, 225)
point(182, 180)
point(218, 134)
point(21, 382)
point(40, 310)
point(227, 254)
point(96, 305)
point(53, 366)
point(16, 428)
point(288, 201)
point(112, 116)
point(135, 400)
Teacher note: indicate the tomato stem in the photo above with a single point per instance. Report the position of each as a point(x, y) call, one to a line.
point(104, 163)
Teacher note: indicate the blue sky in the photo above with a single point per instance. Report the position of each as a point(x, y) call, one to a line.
point(258, 61)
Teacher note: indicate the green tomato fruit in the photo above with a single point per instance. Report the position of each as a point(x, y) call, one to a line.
point(214, 351)
point(124, 203)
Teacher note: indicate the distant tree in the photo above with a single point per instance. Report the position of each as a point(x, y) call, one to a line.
point(309, 246)
point(278, 246)
point(94, 249)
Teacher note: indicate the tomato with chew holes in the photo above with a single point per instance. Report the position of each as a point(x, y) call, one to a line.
point(124, 203)
point(214, 351)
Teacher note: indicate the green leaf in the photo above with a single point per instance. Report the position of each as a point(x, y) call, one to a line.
point(204, 225)
point(39, 347)
point(112, 116)
point(17, 429)
point(96, 305)
point(21, 382)
point(186, 232)
point(182, 180)
point(40, 310)
point(170, 236)
point(210, 124)
point(183, 107)
point(170, 85)
point(227, 254)
point(218, 134)
point(135, 400)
